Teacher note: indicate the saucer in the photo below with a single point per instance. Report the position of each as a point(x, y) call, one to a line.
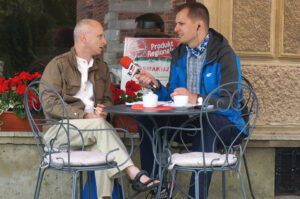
point(182, 107)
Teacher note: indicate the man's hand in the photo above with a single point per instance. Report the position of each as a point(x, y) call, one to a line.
point(90, 115)
point(145, 78)
point(184, 91)
point(99, 111)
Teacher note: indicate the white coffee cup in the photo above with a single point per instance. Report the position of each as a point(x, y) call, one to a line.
point(150, 100)
point(181, 100)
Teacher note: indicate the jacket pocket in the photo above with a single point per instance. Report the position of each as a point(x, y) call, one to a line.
point(72, 86)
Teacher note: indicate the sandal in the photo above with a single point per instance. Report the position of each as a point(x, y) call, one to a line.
point(139, 186)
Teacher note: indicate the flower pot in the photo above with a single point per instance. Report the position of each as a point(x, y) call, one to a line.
point(121, 121)
point(11, 122)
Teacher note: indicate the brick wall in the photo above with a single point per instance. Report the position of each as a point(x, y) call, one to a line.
point(118, 20)
point(94, 9)
point(98, 9)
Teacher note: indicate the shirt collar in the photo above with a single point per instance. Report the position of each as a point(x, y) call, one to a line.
point(199, 49)
point(83, 62)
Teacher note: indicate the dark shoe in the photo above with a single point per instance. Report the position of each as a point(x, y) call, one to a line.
point(137, 185)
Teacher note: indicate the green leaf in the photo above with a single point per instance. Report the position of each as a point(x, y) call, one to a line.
point(20, 113)
point(139, 94)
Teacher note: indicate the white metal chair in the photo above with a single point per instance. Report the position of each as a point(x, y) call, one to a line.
point(62, 158)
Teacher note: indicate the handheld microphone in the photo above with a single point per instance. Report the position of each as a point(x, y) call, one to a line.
point(133, 69)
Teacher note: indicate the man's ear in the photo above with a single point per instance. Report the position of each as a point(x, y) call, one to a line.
point(82, 38)
point(198, 27)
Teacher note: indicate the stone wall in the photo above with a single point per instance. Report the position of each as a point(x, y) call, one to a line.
point(266, 36)
point(19, 161)
point(277, 87)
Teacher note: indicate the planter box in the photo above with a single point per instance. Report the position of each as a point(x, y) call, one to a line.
point(11, 122)
point(121, 121)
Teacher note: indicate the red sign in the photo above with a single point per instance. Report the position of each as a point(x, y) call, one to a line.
point(149, 47)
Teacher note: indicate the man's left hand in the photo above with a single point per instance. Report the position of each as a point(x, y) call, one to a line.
point(184, 91)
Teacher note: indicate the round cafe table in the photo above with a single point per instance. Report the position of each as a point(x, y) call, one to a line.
point(192, 112)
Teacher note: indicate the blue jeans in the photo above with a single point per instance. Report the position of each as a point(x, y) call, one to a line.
point(218, 121)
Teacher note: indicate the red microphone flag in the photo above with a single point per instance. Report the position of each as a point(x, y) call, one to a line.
point(125, 61)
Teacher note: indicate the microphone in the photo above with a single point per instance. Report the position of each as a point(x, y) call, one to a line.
point(133, 69)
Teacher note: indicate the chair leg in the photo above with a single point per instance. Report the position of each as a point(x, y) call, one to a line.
point(39, 183)
point(223, 185)
point(242, 184)
point(197, 185)
point(74, 185)
point(121, 181)
point(89, 173)
point(248, 176)
point(80, 184)
point(157, 196)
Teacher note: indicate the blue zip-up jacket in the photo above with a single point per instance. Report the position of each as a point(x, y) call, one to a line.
point(220, 66)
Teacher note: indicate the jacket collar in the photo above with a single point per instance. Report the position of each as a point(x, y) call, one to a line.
point(215, 43)
point(73, 61)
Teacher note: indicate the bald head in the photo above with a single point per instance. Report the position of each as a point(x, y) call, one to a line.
point(89, 38)
point(83, 27)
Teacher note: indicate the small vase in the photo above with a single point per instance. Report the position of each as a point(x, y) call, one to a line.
point(121, 121)
point(11, 122)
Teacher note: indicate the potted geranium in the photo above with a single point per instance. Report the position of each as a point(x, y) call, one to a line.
point(131, 94)
point(12, 106)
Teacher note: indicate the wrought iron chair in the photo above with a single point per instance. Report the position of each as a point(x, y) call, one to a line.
point(244, 100)
point(63, 157)
point(248, 83)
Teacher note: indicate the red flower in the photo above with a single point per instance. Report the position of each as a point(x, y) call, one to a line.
point(13, 90)
point(120, 96)
point(24, 76)
point(21, 89)
point(132, 85)
point(3, 85)
point(130, 93)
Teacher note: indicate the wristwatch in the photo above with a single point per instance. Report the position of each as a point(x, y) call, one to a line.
point(199, 99)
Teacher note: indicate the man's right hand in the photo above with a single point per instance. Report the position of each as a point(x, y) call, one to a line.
point(145, 78)
point(90, 115)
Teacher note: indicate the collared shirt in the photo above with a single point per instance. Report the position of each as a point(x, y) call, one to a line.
point(85, 93)
point(195, 60)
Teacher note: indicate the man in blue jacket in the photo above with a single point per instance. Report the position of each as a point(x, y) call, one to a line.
point(203, 61)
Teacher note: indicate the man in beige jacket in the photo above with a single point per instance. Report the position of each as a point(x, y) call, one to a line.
point(82, 78)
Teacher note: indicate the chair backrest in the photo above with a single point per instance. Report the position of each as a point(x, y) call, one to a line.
point(238, 102)
point(245, 113)
point(37, 105)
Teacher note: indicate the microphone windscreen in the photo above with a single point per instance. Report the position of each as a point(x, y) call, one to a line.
point(125, 61)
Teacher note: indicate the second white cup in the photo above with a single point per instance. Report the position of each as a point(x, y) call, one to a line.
point(181, 100)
